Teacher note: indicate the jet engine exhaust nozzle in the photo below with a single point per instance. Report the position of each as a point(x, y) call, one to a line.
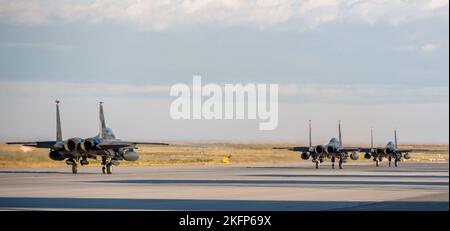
point(379, 151)
point(88, 145)
point(330, 149)
point(388, 151)
point(319, 149)
point(72, 144)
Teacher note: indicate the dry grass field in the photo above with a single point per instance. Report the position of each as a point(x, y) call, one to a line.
point(200, 153)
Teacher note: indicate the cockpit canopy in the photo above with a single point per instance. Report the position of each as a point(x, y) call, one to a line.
point(334, 140)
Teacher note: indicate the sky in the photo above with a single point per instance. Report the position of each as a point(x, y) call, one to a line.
point(370, 63)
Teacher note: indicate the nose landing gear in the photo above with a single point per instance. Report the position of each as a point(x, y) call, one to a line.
point(377, 161)
point(73, 163)
point(74, 168)
point(316, 163)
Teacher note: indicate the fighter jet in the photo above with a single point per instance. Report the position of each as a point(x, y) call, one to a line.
point(77, 150)
point(390, 151)
point(332, 150)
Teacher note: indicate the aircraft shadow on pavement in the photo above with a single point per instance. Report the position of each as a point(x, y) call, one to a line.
point(409, 170)
point(359, 168)
point(274, 182)
point(41, 172)
point(347, 175)
point(195, 204)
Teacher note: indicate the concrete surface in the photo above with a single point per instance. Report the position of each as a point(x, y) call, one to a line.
point(360, 186)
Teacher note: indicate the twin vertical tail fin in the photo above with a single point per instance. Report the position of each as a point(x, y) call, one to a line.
point(310, 140)
point(102, 120)
point(395, 138)
point(371, 138)
point(340, 133)
point(58, 123)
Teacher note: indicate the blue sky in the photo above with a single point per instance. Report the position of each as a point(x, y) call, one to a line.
point(375, 63)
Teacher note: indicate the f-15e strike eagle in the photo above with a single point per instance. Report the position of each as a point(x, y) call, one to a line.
point(77, 150)
point(332, 150)
point(390, 151)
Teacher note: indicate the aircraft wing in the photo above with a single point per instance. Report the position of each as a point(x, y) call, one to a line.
point(114, 144)
point(150, 143)
point(403, 150)
point(36, 144)
point(346, 149)
point(297, 149)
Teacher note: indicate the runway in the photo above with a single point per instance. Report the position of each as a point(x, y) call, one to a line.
point(360, 186)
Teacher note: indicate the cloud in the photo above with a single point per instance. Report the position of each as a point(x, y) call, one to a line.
point(261, 14)
point(363, 93)
point(135, 113)
point(393, 12)
point(36, 45)
point(422, 48)
point(436, 4)
point(298, 93)
point(55, 89)
point(428, 47)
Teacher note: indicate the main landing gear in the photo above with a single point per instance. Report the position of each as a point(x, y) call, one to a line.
point(396, 160)
point(107, 169)
point(316, 162)
point(341, 162)
point(333, 159)
point(106, 165)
